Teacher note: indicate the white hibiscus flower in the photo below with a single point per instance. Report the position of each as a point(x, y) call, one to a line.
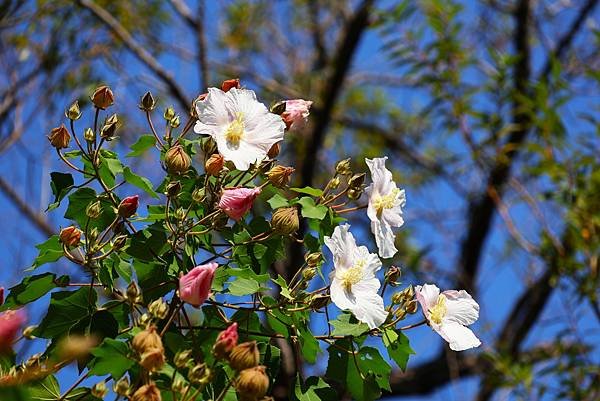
point(242, 127)
point(448, 313)
point(385, 206)
point(353, 283)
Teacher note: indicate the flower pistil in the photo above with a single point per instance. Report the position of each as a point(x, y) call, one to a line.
point(235, 130)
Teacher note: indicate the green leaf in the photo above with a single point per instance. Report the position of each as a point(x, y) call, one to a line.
point(363, 373)
point(347, 325)
point(398, 347)
point(310, 210)
point(244, 286)
point(49, 251)
point(308, 191)
point(32, 288)
point(277, 201)
point(66, 309)
point(285, 291)
point(313, 389)
point(111, 359)
point(141, 182)
point(149, 243)
point(143, 143)
point(309, 345)
point(61, 184)
point(78, 202)
point(45, 390)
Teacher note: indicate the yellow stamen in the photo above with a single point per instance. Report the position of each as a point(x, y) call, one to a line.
point(380, 203)
point(235, 130)
point(438, 311)
point(352, 275)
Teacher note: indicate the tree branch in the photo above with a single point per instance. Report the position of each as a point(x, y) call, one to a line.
point(142, 54)
point(33, 216)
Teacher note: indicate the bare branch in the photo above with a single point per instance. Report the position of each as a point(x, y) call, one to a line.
point(33, 216)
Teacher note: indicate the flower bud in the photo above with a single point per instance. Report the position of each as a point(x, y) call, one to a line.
point(73, 112)
point(119, 242)
point(252, 384)
point(169, 113)
point(397, 298)
point(334, 183)
point(89, 135)
point(133, 292)
point(121, 387)
point(109, 128)
point(75, 347)
point(153, 359)
point(147, 340)
point(274, 150)
point(145, 319)
point(99, 390)
point(230, 83)
point(177, 160)
point(408, 293)
point(356, 180)
point(412, 306)
point(92, 235)
point(175, 122)
point(393, 275)
point(244, 356)
point(214, 164)
point(309, 274)
point(279, 176)
point(354, 193)
point(285, 220)
point(148, 392)
point(343, 167)
point(400, 313)
point(93, 210)
point(178, 386)
point(10, 325)
point(28, 332)
point(198, 194)
point(296, 113)
point(194, 287)
point(194, 106)
point(158, 308)
point(70, 236)
point(209, 146)
point(103, 97)
point(236, 202)
point(147, 103)
point(173, 189)
point(199, 374)
point(128, 206)
point(226, 341)
point(277, 107)
point(314, 259)
point(182, 358)
point(59, 137)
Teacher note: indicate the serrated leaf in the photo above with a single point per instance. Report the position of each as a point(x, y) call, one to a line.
point(78, 202)
point(111, 358)
point(243, 286)
point(49, 251)
point(347, 325)
point(285, 291)
point(310, 210)
point(32, 288)
point(141, 182)
point(308, 191)
point(61, 184)
point(313, 389)
point(397, 346)
point(143, 143)
point(66, 309)
point(309, 345)
point(277, 201)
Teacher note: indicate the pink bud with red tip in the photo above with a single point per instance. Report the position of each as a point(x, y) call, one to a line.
point(128, 206)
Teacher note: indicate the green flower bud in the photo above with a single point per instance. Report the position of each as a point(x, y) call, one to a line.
point(169, 113)
point(89, 135)
point(93, 210)
point(73, 112)
point(343, 167)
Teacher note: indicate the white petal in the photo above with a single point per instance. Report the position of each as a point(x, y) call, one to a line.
point(242, 156)
point(343, 247)
point(461, 307)
point(427, 296)
point(459, 337)
point(340, 297)
point(369, 309)
point(379, 173)
point(215, 110)
point(385, 239)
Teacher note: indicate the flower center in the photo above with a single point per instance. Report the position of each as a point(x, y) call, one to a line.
point(381, 203)
point(438, 311)
point(352, 275)
point(235, 130)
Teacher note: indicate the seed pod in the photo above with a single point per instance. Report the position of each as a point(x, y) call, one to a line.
point(252, 384)
point(214, 164)
point(103, 97)
point(153, 359)
point(70, 236)
point(109, 128)
point(146, 340)
point(148, 392)
point(356, 180)
point(59, 137)
point(279, 176)
point(244, 356)
point(182, 358)
point(147, 103)
point(177, 160)
point(285, 220)
point(309, 274)
point(314, 259)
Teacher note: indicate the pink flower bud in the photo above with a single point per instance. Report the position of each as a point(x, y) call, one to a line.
point(296, 113)
point(10, 323)
point(194, 287)
point(1, 295)
point(226, 340)
point(230, 83)
point(128, 206)
point(236, 202)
